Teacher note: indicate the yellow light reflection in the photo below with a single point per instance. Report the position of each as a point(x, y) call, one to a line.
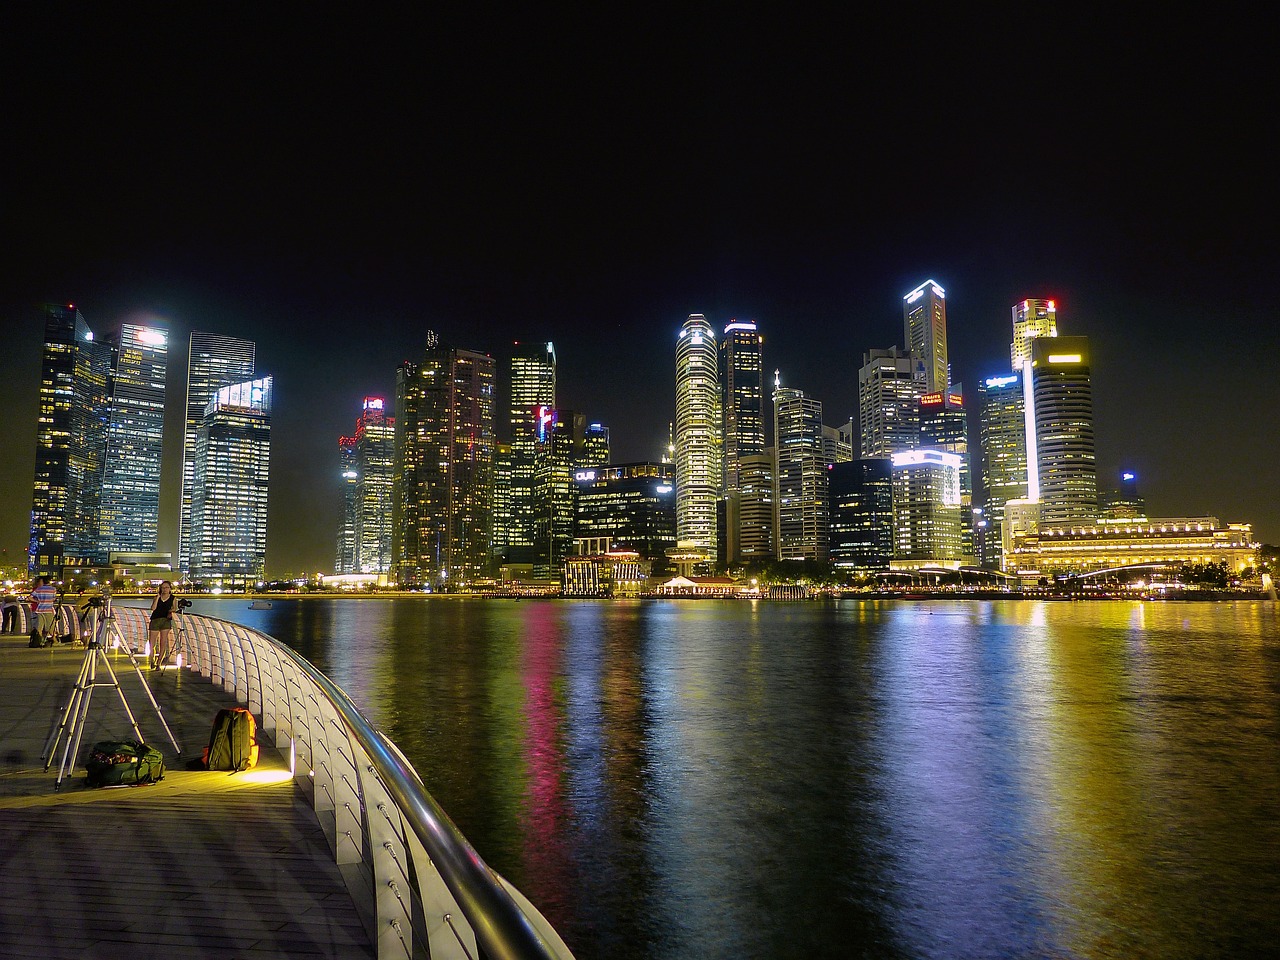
point(265, 776)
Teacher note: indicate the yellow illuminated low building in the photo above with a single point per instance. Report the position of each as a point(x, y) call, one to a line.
point(1049, 551)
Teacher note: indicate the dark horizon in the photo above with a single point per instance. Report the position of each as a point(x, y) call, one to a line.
point(594, 188)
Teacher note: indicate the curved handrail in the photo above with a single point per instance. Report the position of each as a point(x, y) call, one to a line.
point(346, 766)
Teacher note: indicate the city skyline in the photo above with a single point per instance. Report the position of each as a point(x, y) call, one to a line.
point(597, 208)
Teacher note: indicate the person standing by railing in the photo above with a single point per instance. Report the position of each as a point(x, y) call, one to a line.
point(43, 604)
point(10, 603)
point(161, 627)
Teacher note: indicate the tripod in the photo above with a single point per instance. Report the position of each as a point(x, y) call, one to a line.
point(77, 709)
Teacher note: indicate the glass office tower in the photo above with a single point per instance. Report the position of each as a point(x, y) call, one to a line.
point(231, 484)
point(213, 362)
point(129, 502)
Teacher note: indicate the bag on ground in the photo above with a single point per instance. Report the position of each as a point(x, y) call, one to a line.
point(233, 743)
point(115, 763)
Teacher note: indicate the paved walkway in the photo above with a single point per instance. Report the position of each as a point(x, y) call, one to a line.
point(204, 864)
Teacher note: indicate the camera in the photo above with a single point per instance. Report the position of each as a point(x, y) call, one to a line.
point(94, 602)
point(183, 604)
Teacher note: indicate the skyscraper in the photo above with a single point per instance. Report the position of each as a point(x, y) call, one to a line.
point(944, 425)
point(924, 321)
point(1031, 319)
point(742, 380)
point(889, 391)
point(697, 435)
point(557, 458)
point(344, 560)
point(1060, 425)
point(533, 385)
point(926, 506)
point(214, 361)
point(231, 484)
point(444, 443)
point(129, 500)
point(1002, 441)
point(861, 514)
point(757, 513)
point(367, 467)
point(632, 504)
point(70, 441)
point(801, 476)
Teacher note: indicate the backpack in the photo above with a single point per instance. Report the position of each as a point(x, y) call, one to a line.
point(233, 743)
point(39, 641)
point(123, 763)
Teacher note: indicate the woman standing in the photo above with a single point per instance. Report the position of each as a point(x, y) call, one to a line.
point(161, 624)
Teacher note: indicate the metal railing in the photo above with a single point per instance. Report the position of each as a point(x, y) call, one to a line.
point(421, 890)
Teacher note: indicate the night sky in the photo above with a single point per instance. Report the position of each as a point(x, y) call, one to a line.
point(333, 189)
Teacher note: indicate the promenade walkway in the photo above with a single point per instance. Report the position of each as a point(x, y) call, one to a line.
point(204, 864)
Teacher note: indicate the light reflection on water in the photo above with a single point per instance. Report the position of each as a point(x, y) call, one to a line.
point(736, 779)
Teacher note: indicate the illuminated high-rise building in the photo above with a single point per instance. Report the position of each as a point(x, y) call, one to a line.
point(533, 386)
point(213, 362)
point(1031, 319)
point(757, 508)
point(70, 441)
point(231, 485)
point(926, 507)
point(889, 391)
point(556, 460)
point(344, 560)
point(631, 504)
point(1060, 430)
point(861, 494)
point(444, 443)
point(801, 475)
point(944, 425)
point(698, 442)
point(129, 495)
point(924, 321)
point(742, 382)
point(1002, 443)
point(367, 465)
point(1122, 502)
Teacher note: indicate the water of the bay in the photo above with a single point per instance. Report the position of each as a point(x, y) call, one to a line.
point(842, 779)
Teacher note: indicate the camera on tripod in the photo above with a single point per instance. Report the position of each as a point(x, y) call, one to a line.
point(93, 602)
point(183, 604)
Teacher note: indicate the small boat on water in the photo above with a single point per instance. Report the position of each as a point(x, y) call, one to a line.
point(260, 605)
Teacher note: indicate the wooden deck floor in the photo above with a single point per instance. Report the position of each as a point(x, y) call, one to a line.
point(203, 864)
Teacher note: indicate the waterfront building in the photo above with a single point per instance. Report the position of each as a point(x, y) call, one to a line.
point(800, 475)
point(757, 508)
point(129, 497)
point(503, 521)
point(742, 380)
point(698, 442)
point(861, 493)
point(600, 570)
point(1002, 444)
point(70, 441)
point(557, 458)
point(231, 485)
point(533, 387)
point(926, 508)
point(631, 504)
point(1123, 502)
point(889, 391)
point(368, 476)
point(924, 322)
point(344, 561)
point(944, 425)
point(1031, 319)
point(213, 362)
point(1051, 550)
point(443, 486)
point(1060, 430)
